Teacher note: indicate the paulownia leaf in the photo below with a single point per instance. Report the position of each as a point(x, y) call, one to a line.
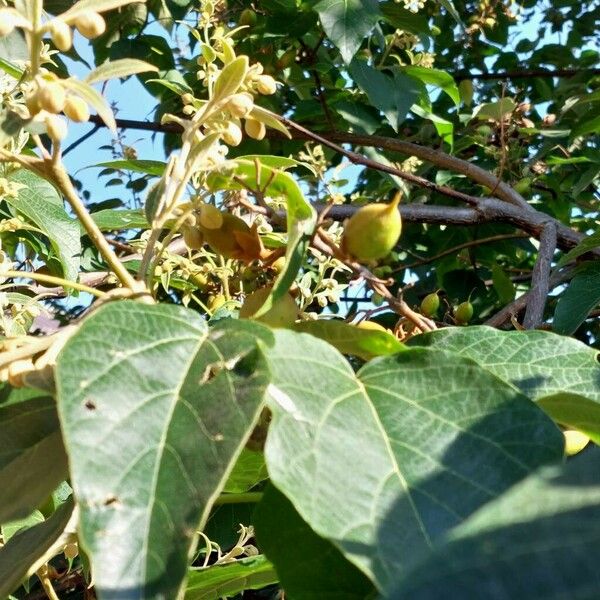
point(309, 567)
point(580, 297)
point(120, 219)
point(350, 339)
point(347, 22)
point(24, 550)
point(227, 580)
point(40, 203)
point(537, 541)
point(32, 457)
point(385, 463)
point(155, 409)
point(115, 69)
point(560, 373)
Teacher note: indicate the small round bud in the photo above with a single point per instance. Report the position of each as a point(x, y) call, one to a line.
point(232, 135)
point(32, 101)
point(255, 129)
point(240, 105)
point(188, 110)
point(61, 34)
point(575, 441)
point(77, 109)
point(7, 22)
point(90, 24)
point(187, 98)
point(56, 128)
point(266, 85)
point(51, 97)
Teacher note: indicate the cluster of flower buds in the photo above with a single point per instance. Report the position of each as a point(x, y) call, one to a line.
point(89, 23)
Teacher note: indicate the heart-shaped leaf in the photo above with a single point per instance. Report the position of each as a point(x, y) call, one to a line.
point(155, 409)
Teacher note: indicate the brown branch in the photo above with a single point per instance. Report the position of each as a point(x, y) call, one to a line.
point(540, 279)
point(469, 244)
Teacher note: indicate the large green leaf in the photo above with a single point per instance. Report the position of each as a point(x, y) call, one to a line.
point(392, 96)
point(385, 463)
point(32, 457)
point(119, 219)
point(347, 22)
point(540, 540)
point(249, 470)
point(224, 581)
point(40, 203)
point(154, 409)
point(580, 297)
point(149, 167)
point(559, 373)
point(26, 547)
point(309, 567)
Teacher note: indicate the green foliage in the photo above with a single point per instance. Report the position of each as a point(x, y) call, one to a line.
point(173, 449)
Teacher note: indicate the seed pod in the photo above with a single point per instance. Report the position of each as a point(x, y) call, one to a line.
point(240, 105)
point(373, 231)
point(282, 314)
point(266, 85)
point(90, 24)
point(430, 305)
point(255, 129)
point(7, 22)
point(232, 135)
point(51, 97)
point(56, 128)
point(192, 236)
point(463, 313)
point(77, 109)
point(61, 34)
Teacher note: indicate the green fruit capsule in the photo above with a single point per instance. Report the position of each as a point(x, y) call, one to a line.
point(430, 305)
point(373, 231)
point(463, 313)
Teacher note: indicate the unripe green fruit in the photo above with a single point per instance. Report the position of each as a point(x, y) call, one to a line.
point(430, 305)
point(51, 97)
point(200, 280)
point(77, 109)
point(373, 231)
point(575, 441)
point(282, 314)
point(463, 313)
point(90, 24)
point(248, 17)
point(71, 551)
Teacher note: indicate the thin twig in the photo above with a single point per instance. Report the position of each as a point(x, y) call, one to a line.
point(540, 279)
